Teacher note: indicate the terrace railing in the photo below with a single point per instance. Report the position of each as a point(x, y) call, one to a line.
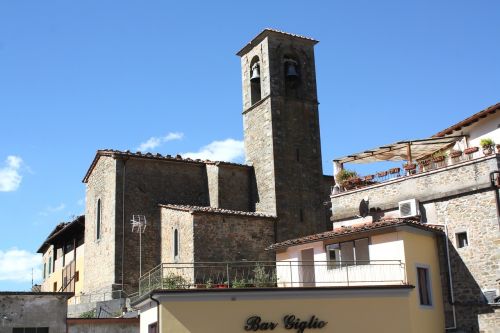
point(270, 274)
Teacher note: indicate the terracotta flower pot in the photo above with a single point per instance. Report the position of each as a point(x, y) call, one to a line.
point(438, 159)
point(394, 171)
point(470, 150)
point(424, 162)
point(456, 153)
point(382, 174)
point(487, 150)
point(410, 166)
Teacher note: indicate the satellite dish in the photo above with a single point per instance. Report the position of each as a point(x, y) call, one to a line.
point(364, 208)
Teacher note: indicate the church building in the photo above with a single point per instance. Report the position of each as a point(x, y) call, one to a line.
point(199, 211)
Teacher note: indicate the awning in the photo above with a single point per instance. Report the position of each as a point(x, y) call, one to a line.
point(400, 151)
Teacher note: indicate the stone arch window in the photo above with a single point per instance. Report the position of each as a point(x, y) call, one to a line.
point(255, 84)
point(98, 218)
point(176, 244)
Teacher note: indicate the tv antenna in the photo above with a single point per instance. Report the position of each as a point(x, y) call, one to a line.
point(139, 224)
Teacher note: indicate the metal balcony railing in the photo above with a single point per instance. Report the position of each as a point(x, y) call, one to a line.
point(270, 274)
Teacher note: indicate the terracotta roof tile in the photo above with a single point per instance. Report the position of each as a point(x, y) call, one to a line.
point(60, 229)
point(208, 209)
point(141, 155)
point(353, 230)
point(470, 120)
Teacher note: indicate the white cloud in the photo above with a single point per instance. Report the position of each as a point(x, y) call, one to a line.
point(157, 141)
point(10, 178)
point(229, 150)
point(16, 265)
point(51, 209)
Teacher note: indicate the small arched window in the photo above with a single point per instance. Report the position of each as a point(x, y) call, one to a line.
point(176, 244)
point(255, 91)
point(98, 219)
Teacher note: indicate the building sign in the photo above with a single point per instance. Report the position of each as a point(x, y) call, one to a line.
point(289, 322)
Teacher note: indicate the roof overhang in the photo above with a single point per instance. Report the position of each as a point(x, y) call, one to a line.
point(399, 151)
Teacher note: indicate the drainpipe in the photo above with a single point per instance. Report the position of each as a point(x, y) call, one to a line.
point(494, 184)
point(450, 278)
point(123, 222)
point(157, 310)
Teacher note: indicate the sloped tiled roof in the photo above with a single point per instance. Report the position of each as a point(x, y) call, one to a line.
point(470, 120)
point(359, 228)
point(59, 230)
point(150, 156)
point(214, 210)
point(257, 39)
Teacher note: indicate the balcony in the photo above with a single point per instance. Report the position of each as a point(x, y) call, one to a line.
point(281, 274)
point(429, 183)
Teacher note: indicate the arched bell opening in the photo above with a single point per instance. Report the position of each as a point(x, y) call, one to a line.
point(292, 75)
point(255, 82)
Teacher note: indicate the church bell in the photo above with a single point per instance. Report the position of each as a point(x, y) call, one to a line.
point(291, 70)
point(255, 77)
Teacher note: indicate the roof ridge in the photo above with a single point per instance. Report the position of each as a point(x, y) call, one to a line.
point(154, 156)
point(210, 209)
point(353, 229)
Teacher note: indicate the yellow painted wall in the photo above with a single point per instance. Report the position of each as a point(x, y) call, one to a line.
point(422, 249)
point(80, 256)
point(344, 313)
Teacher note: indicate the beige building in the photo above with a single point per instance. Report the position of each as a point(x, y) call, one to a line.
point(63, 257)
point(448, 180)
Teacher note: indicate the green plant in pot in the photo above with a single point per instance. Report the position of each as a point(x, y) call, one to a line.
point(488, 145)
point(439, 156)
point(344, 176)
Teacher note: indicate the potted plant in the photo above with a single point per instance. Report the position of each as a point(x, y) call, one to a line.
point(409, 166)
point(487, 144)
point(438, 156)
point(498, 148)
point(344, 177)
point(470, 150)
point(455, 153)
point(424, 163)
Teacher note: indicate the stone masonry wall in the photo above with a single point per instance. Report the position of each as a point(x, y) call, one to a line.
point(182, 221)
point(33, 310)
point(475, 267)
point(221, 237)
point(259, 153)
point(424, 187)
point(148, 183)
point(99, 262)
point(282, 137)
point(234, 187)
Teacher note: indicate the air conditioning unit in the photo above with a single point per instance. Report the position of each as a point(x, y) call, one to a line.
point(408, 208)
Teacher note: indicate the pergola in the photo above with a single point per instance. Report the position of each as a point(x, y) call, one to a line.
point(401, 151)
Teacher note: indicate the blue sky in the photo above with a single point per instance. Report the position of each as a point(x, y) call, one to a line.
point(84, 75)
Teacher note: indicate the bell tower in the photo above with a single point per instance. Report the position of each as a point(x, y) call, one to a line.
point(281, 130)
